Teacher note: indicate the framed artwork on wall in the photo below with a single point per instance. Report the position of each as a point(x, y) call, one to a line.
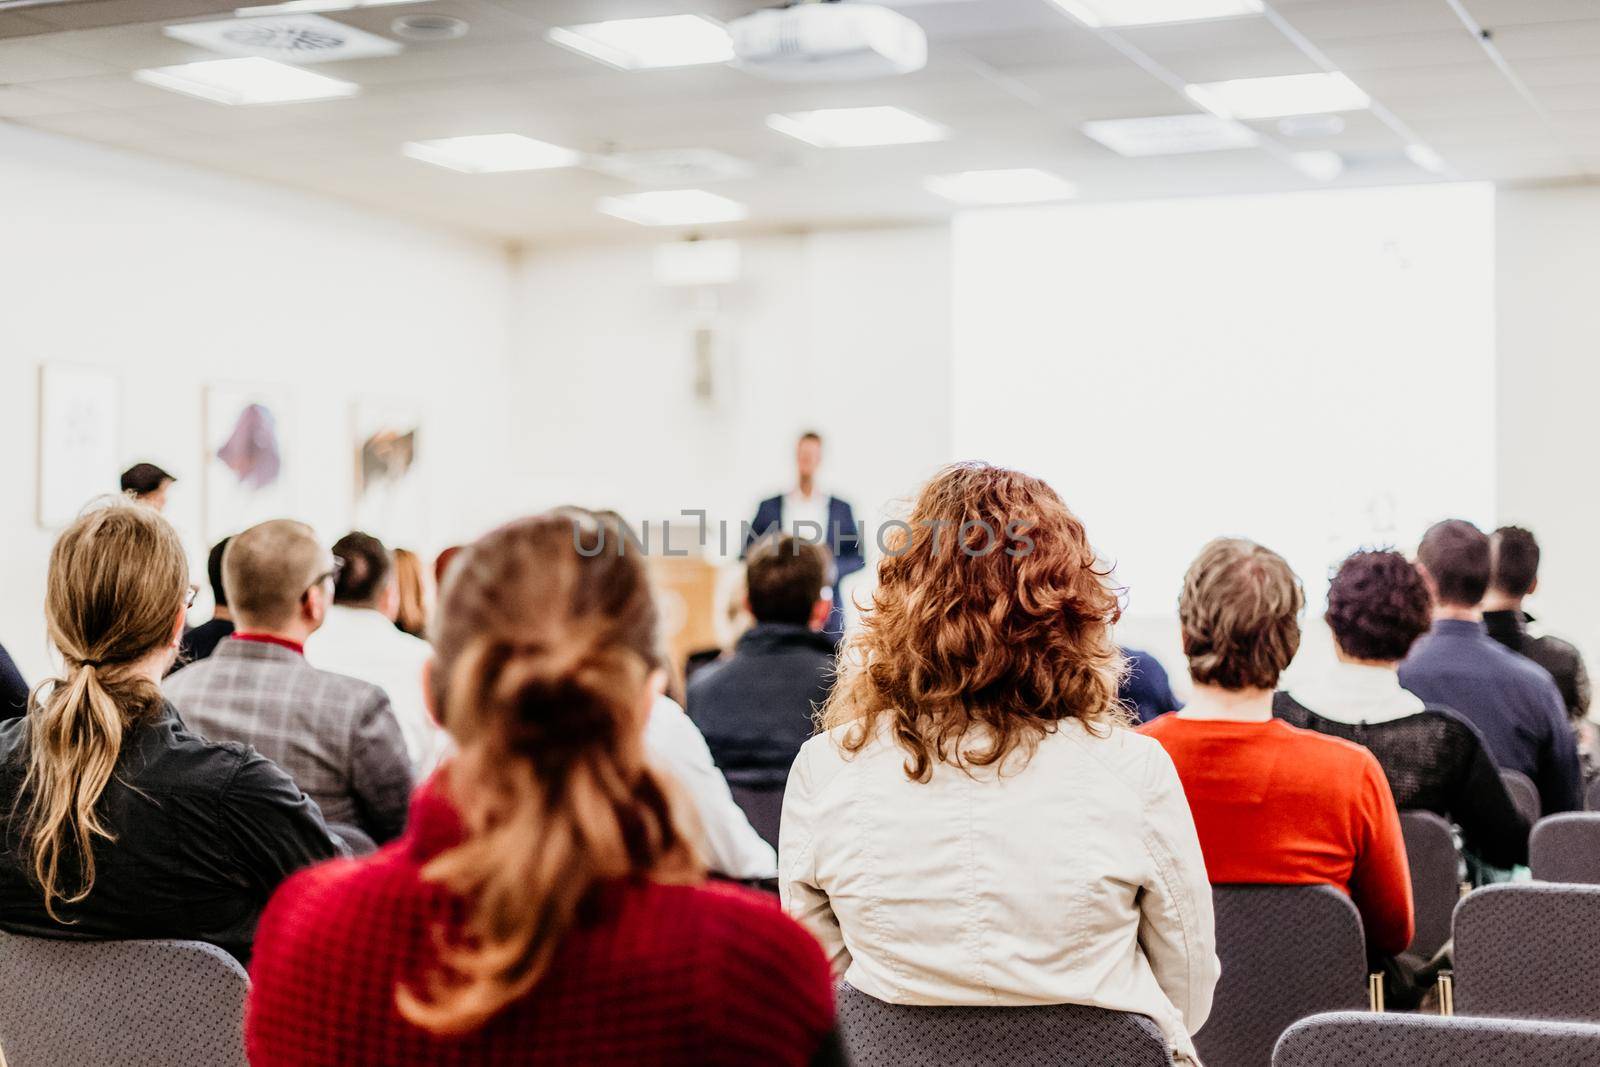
point(79, 437)
point(390, 501)
point(249, 456)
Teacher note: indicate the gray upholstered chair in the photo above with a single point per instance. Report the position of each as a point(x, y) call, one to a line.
point(1287, 952)
point(1591, 799)
point(879, 1034)
point(1354, 1039)
point(1528, 951)
point(131, 1003)
point(1524, 794)
point(1435, 879)
point(1566, 848)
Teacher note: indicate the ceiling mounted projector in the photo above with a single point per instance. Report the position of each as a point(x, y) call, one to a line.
point(828, 41)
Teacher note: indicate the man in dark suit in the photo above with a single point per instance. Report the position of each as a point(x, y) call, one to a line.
point(811, 515)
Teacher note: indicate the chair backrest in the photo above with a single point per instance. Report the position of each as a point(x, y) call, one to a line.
point(1356, 1039)
point(1566, 848)
point(1524, 794)
point(1287, 952)
point(1591, 799)
point(1435, 878)
point(1529, 951)
point(132, 1003)
point(1043, 1035)
point(763, 807)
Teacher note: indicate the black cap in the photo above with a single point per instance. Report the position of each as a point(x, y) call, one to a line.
point(142, 479)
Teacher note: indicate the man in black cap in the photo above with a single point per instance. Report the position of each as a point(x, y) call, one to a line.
point(148, 484)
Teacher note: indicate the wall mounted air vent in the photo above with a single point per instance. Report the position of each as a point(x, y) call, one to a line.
point(286, 38)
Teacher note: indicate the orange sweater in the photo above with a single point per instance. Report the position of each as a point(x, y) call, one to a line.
point(1274, 804)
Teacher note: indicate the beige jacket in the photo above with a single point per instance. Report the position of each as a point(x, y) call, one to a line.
point(1074, 877)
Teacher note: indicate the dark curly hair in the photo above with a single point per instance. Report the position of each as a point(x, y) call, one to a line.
point(1378, 605)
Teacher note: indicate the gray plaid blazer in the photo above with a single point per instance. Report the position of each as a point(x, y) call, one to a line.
point(336, 736)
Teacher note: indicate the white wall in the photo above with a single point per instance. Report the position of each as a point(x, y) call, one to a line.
point(1548, 308)
point(845, 333)
point(174, 278)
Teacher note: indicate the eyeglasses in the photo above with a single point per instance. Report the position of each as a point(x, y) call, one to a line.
point(189, 595)
point(328, 575)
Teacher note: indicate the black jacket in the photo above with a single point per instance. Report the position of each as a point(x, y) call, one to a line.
point(1560, 658)
point(1435, 761)
point(13, 690)
point(204, 834)
point(756, 707)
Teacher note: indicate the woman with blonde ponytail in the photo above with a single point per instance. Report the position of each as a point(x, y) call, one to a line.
point(121, 823)
point(545, 905)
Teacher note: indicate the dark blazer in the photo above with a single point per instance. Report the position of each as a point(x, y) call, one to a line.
point(204, 834)
point(755, 708)
point(841, 537)
point(1145, 687)
point(1560, 658)
point(13, 689)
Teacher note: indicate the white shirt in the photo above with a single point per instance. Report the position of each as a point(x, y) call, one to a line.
point(1073, 878)
point(361, 643)
point(729, 844)
point(808, 509)
point(1356, 693)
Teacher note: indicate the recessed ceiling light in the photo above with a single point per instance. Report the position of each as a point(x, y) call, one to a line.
point(674, 207)
point(1147, 12)
point(1426, 158)
point(647, 43)
point(1024, 185)
point(1322, 166)
point(857, 127)
point(491, 153)
point(251, 80)
point(1288, 94)
point(1164, 135)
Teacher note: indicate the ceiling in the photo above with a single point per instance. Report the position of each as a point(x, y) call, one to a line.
point(1012, 79)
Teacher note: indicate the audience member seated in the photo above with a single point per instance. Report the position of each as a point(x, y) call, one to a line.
point(545, 905)
point(359, 639)
point(1145, 688)
point(202, 640)
point(335, 735)
point(1275, 804)
point(1512, 701)
point(13, 688)
point(975, 826)
point(118, 822)
point(757, 707)
point(412, 615)
point(1514, 576)
point(1378, 605)
point(147, 484)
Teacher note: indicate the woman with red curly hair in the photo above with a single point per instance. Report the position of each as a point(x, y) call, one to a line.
point(976, 825)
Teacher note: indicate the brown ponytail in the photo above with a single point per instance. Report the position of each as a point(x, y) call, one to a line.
point(116, 584)
point(544, 659)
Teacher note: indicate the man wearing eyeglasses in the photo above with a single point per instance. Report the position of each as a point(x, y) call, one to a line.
point(336, 736)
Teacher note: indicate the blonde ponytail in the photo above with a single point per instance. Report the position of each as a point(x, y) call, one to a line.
point(116, 583)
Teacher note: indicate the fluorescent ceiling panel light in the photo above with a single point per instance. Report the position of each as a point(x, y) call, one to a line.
point(1025, 185)
point(1321, 166)
point(1149, 12)
point(491, 153)
point(1288, 94)
point(1165, 135)
point(294, 7)
point(251, 80)
point(857, 127)
point(1426, 158)
point(674, 207)
point(648, 43)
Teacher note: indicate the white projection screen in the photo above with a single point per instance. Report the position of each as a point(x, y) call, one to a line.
point(1314, 371)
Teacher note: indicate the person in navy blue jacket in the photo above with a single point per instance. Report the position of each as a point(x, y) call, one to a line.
point(811, 515)
point(13, 690)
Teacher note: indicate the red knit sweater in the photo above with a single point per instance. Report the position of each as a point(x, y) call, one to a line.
point(654, 974)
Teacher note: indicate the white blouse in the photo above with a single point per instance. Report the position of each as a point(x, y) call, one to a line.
point(1074, 877)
